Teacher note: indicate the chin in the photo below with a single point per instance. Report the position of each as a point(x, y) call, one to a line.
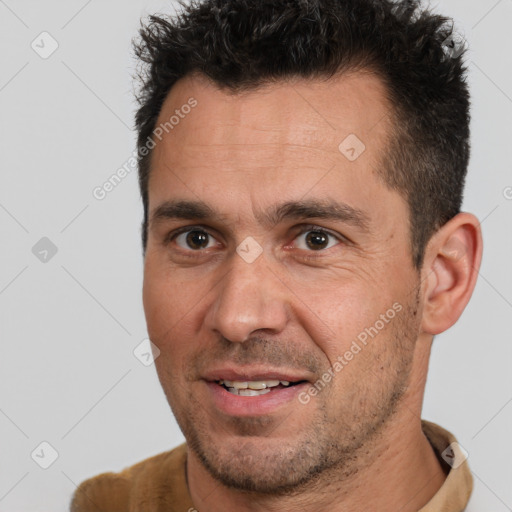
point(262, 466)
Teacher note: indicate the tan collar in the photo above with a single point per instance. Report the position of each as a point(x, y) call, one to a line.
point(453, 496)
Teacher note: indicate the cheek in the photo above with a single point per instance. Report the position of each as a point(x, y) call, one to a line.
point(351, 317)
point(165, 330)
point(171, 308)
point(163, 302)
point(155, 301)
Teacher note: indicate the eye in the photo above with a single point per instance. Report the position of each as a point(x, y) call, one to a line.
point(316, 239)
point(195, 239)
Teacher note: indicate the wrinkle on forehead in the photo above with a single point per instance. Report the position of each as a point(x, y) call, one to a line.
point(308, 113)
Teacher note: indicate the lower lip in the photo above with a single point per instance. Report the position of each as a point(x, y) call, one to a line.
point(236, 405)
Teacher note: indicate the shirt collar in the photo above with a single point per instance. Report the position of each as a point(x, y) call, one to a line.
point(455, 492)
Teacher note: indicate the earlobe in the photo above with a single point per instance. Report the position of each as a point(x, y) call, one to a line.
point(450, 271)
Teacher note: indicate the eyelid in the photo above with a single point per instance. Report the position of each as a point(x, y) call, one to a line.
point(315, 227)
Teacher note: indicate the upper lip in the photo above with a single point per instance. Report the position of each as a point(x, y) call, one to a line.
point(253, 374)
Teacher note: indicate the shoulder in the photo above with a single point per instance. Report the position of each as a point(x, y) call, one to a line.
point(156, 477)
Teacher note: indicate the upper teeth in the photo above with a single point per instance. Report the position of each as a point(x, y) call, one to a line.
point(254, 384)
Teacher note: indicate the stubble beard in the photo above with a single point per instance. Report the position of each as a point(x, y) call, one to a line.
point(338, 440)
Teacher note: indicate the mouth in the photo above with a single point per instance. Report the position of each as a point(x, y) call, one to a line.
point(254, 390)
point(256, 387)
point(236, 394)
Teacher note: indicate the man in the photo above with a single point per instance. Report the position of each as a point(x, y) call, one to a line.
point(301, 168)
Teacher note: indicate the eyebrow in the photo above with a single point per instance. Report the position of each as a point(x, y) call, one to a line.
point(302, 209)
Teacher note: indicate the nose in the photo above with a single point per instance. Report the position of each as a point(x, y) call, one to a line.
point(250, 297)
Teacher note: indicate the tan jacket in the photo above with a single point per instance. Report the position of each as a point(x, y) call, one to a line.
point(158, 484)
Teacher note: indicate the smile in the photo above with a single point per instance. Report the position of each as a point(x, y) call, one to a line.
point(253, 388)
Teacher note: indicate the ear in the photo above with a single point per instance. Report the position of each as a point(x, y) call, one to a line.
point(450, 270)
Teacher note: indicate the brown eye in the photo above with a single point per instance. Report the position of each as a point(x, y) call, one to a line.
point(194, 239)
point(316, 239)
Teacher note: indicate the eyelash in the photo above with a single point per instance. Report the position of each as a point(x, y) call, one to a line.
point(304, 229)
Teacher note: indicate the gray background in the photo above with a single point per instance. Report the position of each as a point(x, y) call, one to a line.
point(69, 325)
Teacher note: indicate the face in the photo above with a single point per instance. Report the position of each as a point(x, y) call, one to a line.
point(278, 259)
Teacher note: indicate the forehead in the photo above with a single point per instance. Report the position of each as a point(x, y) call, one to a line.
point(321, 138)
point(315, 114)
